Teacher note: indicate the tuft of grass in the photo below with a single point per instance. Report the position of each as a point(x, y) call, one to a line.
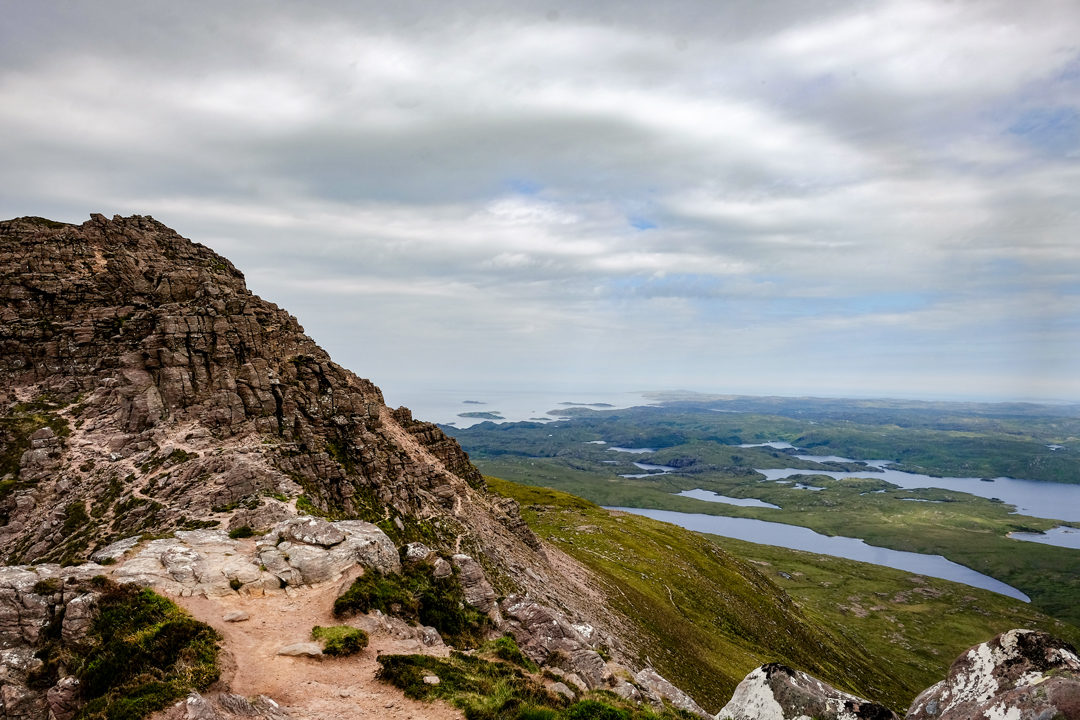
point(244, 531)
point(144, 653)
point(505, 648)
point(417, 596)
point(340, 640)
point(486, 690)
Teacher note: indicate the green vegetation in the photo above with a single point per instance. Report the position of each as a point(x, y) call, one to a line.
point(417, 596)
point(244, 531)
point(143, 654)
point(931, 438)
point(705, 617)
point(487, 690)
point(505, 648)
point(914, 626)
point(23, 420)
point(340, 640)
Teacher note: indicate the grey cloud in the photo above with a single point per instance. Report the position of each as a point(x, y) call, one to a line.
point(499, 180)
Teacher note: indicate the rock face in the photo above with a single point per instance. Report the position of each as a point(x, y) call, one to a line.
point(145, 390)
point(157, 390)
point(776, 692)
point(1019, 675)
point(33, 601)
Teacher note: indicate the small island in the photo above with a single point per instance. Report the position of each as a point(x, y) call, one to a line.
point(481, 415)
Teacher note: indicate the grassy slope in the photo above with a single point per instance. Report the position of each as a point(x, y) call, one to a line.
point(706, 618)
point(914, 626)
point(964, 528)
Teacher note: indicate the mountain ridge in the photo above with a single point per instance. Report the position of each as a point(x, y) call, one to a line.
point(154, 406)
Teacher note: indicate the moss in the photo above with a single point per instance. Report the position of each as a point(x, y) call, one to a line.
point(48, 586)
point(305, 506)
point(486, 690)
point(595, 710)
point(74, 517)
point(505, 648)
point(142, 654)
point(417, 596)
point(22, 421)
point(340, 640)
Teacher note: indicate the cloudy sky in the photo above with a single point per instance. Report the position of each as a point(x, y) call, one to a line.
point(792, 197)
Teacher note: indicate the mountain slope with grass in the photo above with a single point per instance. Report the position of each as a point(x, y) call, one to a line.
point(874, 631)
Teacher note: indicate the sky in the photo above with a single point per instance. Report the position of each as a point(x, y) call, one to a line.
point(844, 198)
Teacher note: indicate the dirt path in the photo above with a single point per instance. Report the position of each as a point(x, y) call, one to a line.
point(308, 688)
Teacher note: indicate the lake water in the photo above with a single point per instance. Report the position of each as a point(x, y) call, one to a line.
point(710, 496)
point(650, 470)
point(1056, 501)
point(800, 538)
point(1061, 536)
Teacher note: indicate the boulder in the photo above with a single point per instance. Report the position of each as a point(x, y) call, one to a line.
point(776, 692)
point(478, 591)
point(658, 685)
point(1018, 675)
point(302, 649)
point(311, 531)
point(64, 699)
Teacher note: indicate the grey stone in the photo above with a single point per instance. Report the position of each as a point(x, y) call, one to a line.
point(777, 692)
point(562, 689)
point(1018, 675)
point(312, 531)
point(116, 550)
point(477, 589)
point(234, 616)
point(657, 685)
point(64, 699)
point(302, 649)
point(79, 615)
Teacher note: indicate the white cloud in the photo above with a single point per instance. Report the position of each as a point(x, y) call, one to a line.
point(749, 188)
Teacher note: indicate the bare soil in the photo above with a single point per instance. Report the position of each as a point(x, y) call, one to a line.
point(307, 688)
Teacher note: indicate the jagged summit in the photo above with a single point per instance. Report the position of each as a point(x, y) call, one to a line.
point(160, 389)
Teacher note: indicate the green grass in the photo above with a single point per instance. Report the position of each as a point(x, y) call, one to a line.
point(913, 626)
point(964, 528)
point(702, 617)
point(705, 617)
point(142, 654)
point(487, 690)
point(417, 596)
point(340, 640)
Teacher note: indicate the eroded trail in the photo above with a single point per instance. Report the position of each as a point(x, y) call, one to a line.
point(307, 688)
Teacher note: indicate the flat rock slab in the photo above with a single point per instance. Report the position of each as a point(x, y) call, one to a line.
point(302, 649)
point(235, 616)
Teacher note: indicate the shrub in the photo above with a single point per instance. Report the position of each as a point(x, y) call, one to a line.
point(244, 531)
point(505, 648)
point(146, 654)
point(595, 710)
point(340, 640)
point(417, 596)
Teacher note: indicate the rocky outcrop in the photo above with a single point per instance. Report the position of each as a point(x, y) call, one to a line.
point(777, 692)
point(224, 706)
point(299, 551)
point(158, 391)
point(1019, 675)
point(657, 686)
point(34, 604)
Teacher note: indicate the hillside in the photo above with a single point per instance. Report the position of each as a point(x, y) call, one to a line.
point(148, 392)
